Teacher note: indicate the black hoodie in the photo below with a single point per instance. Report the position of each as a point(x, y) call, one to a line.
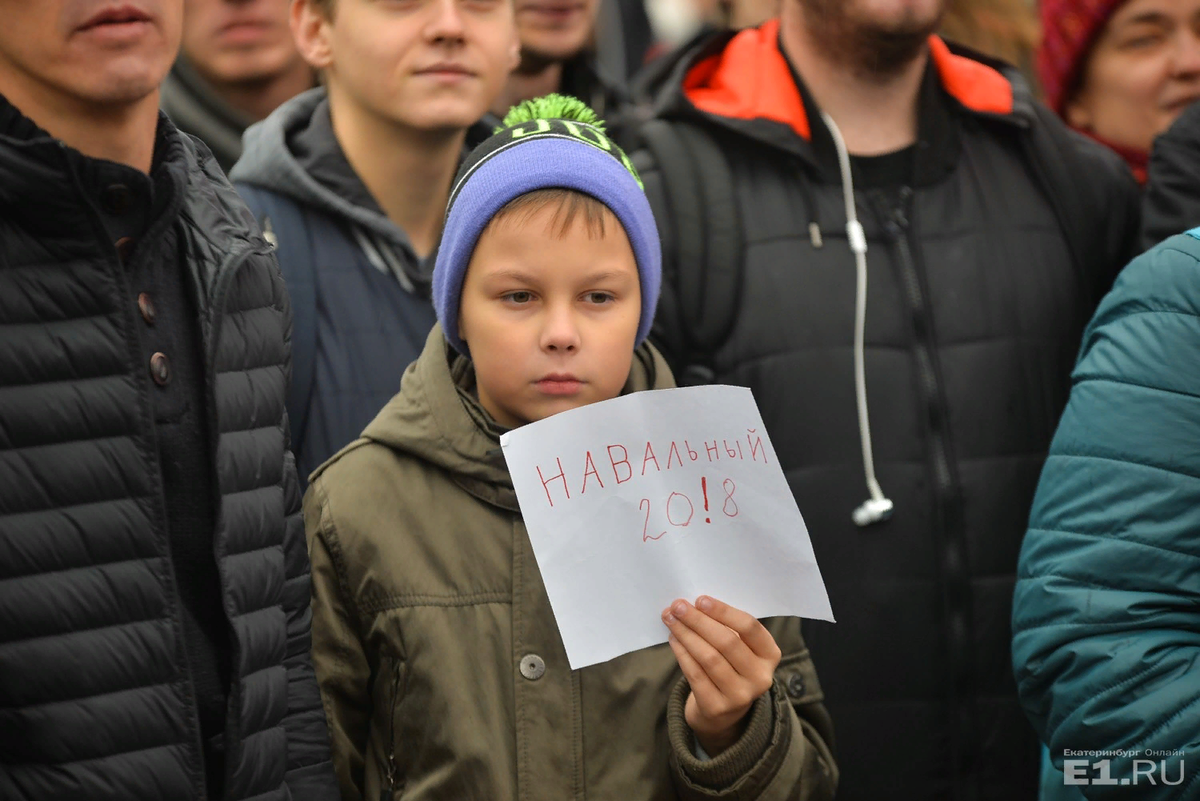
point(974, 310)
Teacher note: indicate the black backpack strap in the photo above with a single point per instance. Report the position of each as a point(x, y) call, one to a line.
point(708, 238)
point(283, 226)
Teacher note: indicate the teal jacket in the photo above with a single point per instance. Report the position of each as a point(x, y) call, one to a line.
point(1106, 613)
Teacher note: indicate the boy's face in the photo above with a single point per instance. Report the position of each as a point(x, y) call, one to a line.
point(550, 320)
point(422, 64)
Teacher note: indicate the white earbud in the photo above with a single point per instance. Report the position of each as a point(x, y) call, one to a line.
point(873, 510)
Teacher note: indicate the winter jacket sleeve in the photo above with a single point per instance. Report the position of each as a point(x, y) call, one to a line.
point(342, 668)
point(785, 752)
point(1172, 201)
point(1106, 615)
point(309, 774)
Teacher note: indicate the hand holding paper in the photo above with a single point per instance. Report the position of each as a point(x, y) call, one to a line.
point(729, 661)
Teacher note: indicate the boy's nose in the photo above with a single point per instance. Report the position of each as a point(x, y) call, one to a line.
point(560, 333)
point(446, 22)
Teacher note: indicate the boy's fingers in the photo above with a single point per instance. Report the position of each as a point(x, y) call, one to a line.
point(751, 631)
point(716, 666)
point(711, 701)
point(697, 679)
point(718, 636)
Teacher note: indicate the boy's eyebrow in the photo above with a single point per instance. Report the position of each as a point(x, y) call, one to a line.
point(515, 276)
point(519, 277)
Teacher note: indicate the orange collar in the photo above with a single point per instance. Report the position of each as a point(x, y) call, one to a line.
point(750, 79)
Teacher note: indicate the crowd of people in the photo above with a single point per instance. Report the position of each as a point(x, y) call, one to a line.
point(276, 275)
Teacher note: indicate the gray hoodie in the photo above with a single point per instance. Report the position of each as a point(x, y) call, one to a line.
point(294, 153)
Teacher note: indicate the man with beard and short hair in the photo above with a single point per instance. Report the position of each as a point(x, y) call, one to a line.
point(988, 232)
point(238, 62)
point(557, 55)
point(154, 581)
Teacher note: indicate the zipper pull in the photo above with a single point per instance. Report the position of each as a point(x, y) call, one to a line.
point(389, 788)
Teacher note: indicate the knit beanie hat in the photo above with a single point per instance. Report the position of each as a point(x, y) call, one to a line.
point(551, 142)
point(1069, 28)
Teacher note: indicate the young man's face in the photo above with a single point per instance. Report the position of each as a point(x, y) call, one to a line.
point(1143, 71)
point(550, 320)
point(555, 30)
point(239, 41)
point(92, 52)
point(423, 64)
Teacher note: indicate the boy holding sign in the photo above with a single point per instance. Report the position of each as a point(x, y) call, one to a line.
point(434, 642)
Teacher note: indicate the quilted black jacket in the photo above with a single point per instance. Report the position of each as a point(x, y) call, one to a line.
point(95, 696)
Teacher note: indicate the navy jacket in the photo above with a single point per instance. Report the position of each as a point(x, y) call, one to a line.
point(359, 290)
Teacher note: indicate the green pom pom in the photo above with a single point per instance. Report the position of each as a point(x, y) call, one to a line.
point(551, 107)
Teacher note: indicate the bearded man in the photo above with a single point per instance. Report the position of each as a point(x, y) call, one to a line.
point(845, 141)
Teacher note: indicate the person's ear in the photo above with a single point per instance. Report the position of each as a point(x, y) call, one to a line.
point(514, 51)
point(1078, 113)
point(310, 29)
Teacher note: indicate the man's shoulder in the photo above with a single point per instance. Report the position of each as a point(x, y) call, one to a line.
point(1096, 160)
point(1167, 276)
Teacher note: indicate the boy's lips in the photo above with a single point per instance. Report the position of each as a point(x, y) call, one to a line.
point(559, 384)
point(446, 70)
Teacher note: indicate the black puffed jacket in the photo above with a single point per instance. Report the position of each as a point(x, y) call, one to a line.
point(1172, 202)
point(975, 310)
point(95, 695)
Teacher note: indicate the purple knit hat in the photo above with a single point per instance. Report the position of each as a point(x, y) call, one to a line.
point(542, 153)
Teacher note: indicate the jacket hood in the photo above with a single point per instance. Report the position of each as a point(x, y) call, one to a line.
point(268, 161)
point(742, 81)
point(437, 418)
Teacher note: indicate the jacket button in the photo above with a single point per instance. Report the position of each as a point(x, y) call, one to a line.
point(124, 247)
point(795, 685)
point(160, 369)
point(116, 199)
point(146, 307)
point(533, 667)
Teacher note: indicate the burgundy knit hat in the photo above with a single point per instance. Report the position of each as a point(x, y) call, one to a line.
point(1069, 27)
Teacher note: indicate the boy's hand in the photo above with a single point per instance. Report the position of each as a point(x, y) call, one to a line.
point(729, 660)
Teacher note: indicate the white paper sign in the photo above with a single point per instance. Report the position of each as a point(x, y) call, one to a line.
point(634, 502)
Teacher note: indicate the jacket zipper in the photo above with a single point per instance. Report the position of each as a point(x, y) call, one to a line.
point(953, 567)
point(389, 790)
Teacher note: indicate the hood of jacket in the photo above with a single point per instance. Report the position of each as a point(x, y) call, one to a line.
point(268, 161)
point(742, 81)
point(437, 418)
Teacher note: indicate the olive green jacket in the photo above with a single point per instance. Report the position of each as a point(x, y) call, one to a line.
point(437, 652)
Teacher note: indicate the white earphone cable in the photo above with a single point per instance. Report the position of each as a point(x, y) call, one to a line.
point(878, 507)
